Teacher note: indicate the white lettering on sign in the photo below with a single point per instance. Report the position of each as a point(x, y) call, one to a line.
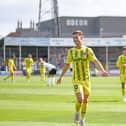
point(76, 22)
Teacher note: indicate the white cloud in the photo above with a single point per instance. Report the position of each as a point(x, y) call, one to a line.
point(13, 10)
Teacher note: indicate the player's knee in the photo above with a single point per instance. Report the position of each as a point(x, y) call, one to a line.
point(80, 99)
point(11, 74)
point(85, 100)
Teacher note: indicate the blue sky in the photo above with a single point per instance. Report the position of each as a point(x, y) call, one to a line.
point(26, 10)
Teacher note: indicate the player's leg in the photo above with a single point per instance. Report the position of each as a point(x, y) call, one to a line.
point(9, 75)
point(43, 76)
point(79, 98)
point(53, 77)
point(49, 80)
point(28, 74)
point(53, 80)
point(84, 106)
point(52, 74)
point(12, 75)
point(124, 91)
point(123, 84)
point(84, 110)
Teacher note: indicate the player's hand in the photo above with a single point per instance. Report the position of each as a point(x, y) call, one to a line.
point(59, 81)
point(104, 73)
point(14, 68)
point(124, 65)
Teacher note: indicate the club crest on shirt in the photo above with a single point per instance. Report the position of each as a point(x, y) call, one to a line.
point(84, 54)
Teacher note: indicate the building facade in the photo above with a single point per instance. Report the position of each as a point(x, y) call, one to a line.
point(91, 26)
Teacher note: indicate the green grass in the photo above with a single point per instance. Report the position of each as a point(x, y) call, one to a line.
point(35, 104)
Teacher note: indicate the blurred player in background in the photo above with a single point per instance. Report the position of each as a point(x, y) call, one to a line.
point(42, 69)
point(121, 64)
point(28, 62)
point(51, 72)
point(11, 68)
point(80, 57)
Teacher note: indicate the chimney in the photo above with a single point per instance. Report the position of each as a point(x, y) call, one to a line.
point(21, 24)
point(18, 24)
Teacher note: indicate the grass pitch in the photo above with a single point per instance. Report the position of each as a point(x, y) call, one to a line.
point(35, 104)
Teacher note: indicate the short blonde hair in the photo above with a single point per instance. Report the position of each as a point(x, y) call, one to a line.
point(41, 60)
point(78, 32)
point(124, 48)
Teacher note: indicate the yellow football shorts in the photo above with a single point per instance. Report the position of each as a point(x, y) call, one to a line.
point(85, 88)
point(28, 70)
point(123, 78)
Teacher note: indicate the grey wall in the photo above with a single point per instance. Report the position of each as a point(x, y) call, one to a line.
point(91, 26)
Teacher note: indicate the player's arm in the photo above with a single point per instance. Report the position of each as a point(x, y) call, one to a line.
point(24, 62)
point(100, 68)
point(39, 64)
point(14, 67)
point(118, 62)
point(32, 62)
point(96, 62)
point(8, 64)
point(123, 65)
point(65, 68)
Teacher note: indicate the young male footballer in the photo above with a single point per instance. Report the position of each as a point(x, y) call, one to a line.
point(42, 69)
point(51, 72)
point(121, 64)
point(80, 56)
point(11, 68)
point(28, 62)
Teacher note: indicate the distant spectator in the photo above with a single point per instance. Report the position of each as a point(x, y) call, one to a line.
point(2, 67)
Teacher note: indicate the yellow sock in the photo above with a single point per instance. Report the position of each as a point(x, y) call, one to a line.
point(43, 76)
point(123, 91)
point(12, 77)
point(83, 109)
point(77, 106)
point(28, 76)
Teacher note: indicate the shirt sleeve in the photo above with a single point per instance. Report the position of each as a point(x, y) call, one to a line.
point(69, 57)
point(118, 62)
point(91, 55)
point(24, 61)
point(9, 63)
point(32, 62)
